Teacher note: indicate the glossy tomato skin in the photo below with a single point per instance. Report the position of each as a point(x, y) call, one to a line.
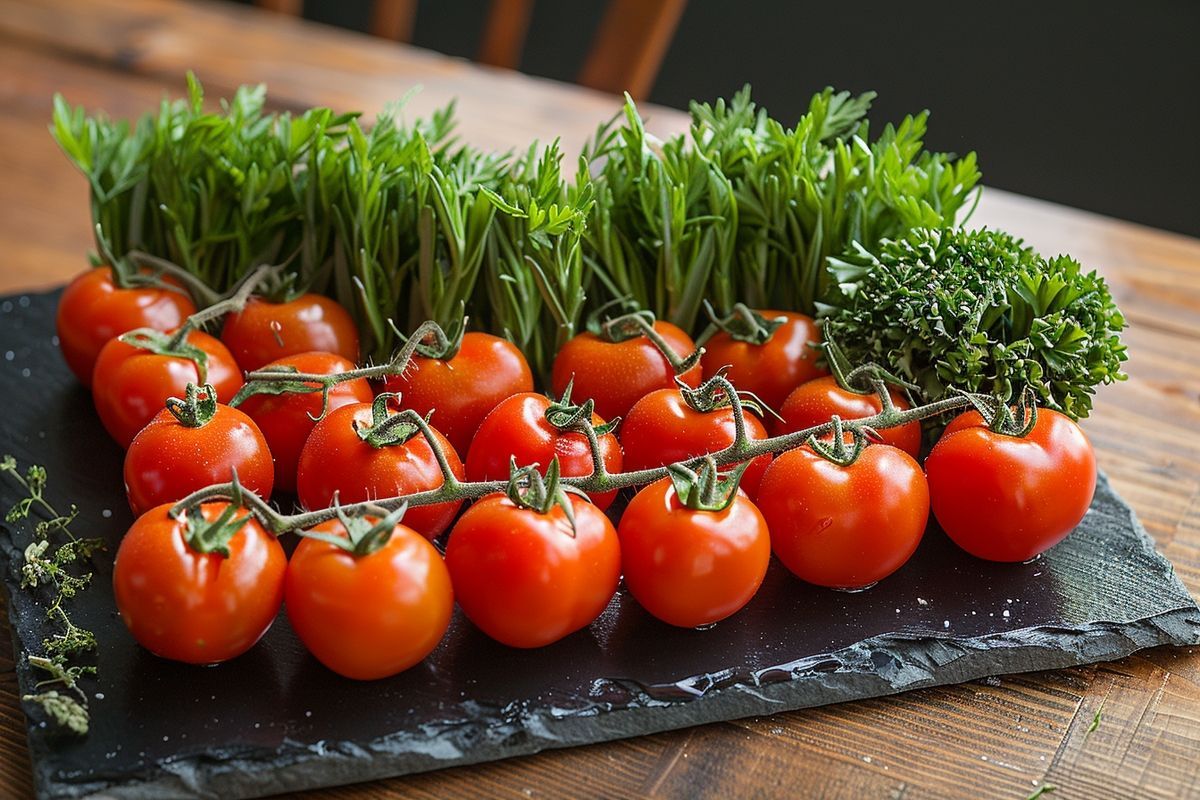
point(773, 369)
point(199, 608)
point(372, 616)
point(518, 427)
point(618, 374)
point(264, 331)
point(815, 402)
point(130, 385)
point(845, 527)
point(1004, 498)
point(690, 568)
point(521, 576)
point(286, 420)
point(93, 310)
point(336, 460)
point(463, 389)
point(168, 460)
point(662, 429)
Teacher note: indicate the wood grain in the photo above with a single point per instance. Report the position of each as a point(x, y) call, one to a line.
point(998, 739)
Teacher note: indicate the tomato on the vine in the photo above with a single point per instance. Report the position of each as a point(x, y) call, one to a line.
point(363, 452)
point(263, 331)
point(768, 353)
point(370, 602)
point(287, 419)
point(524, 575)
point(690, 559)
point(202, 589)
point(842, 521)
point(818, 401)
point(136, 373)
point(93, 310)
point(533, 429)
point(664, 427)
point(616, 374)
point(462, 389)
point(194, 443)
point(1010, 496)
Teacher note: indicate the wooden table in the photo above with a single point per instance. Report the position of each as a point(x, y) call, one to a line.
point(999, 739)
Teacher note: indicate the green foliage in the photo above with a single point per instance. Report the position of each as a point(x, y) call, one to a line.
point(977, 310)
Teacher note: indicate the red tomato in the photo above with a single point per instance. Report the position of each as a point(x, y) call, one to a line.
point(130, 385)
point(618, 374)
point(287, 419)
point(523, 578)
point(1008, 498)
point(336, 460)
point(845, 527)
point(93, 310)
point(169, 459)
point(519, 427)
point(264, 332)
point(690, 567)
point(373, 615)
point(662, 429)
point(463, 389)
point(816, 402)
point(770, 370)
point(200, 608)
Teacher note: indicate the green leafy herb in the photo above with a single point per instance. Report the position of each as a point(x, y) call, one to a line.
point(52, 566)
point(978, 310)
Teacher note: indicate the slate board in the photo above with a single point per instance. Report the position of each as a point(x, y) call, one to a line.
point(275, 720)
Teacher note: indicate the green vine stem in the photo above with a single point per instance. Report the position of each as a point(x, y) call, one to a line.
point(452, 490)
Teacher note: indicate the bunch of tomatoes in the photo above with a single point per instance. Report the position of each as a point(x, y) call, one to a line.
point(531, 560)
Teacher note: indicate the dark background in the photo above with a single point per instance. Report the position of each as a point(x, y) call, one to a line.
point(1091, 104)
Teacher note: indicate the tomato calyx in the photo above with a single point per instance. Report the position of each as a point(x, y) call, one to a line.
point(197, 408)
point(387, 428)
point(1004, 419)
point(706, 488)
point(869, 378)
point(527, 488)
point(567, 416)
point(170, 345)
point(637, 322)
point(719, 392)
point(436, 343)
point(364, 535)
point(213, 537)
point(836, 450)
point(743, 324)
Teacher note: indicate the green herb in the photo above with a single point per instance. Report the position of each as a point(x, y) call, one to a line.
point(1096, 719)
point(977, 310)
point(1045, 788)
point(47, 568)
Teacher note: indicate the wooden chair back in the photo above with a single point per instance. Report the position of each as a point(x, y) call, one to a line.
point(625, 54)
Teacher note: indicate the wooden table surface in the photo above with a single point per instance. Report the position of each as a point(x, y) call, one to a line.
point(999, 739)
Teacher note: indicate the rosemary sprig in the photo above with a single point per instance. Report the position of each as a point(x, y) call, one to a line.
point(52, 550)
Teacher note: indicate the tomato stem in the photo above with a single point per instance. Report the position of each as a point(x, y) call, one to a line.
point(197, 408)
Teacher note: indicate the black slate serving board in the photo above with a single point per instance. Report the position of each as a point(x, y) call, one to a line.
point(275, 720)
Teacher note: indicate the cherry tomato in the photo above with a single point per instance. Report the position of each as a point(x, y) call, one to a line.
point(369, 616)
point(93, 310)
point(130, 385)
point(336, 460)
point(662, 429)
point(200, 608)
point(1009, 498)
point(691, 567)
point(264, 331)
point(845, 527)
point(464, 388)
point(519, 427)
point(815, 403)
point(174, 456)
point(770, 370)
point(286, 420)
point(523, 578)
point(618, 374)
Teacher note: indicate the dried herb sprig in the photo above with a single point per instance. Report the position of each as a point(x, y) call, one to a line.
point(55, 563)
